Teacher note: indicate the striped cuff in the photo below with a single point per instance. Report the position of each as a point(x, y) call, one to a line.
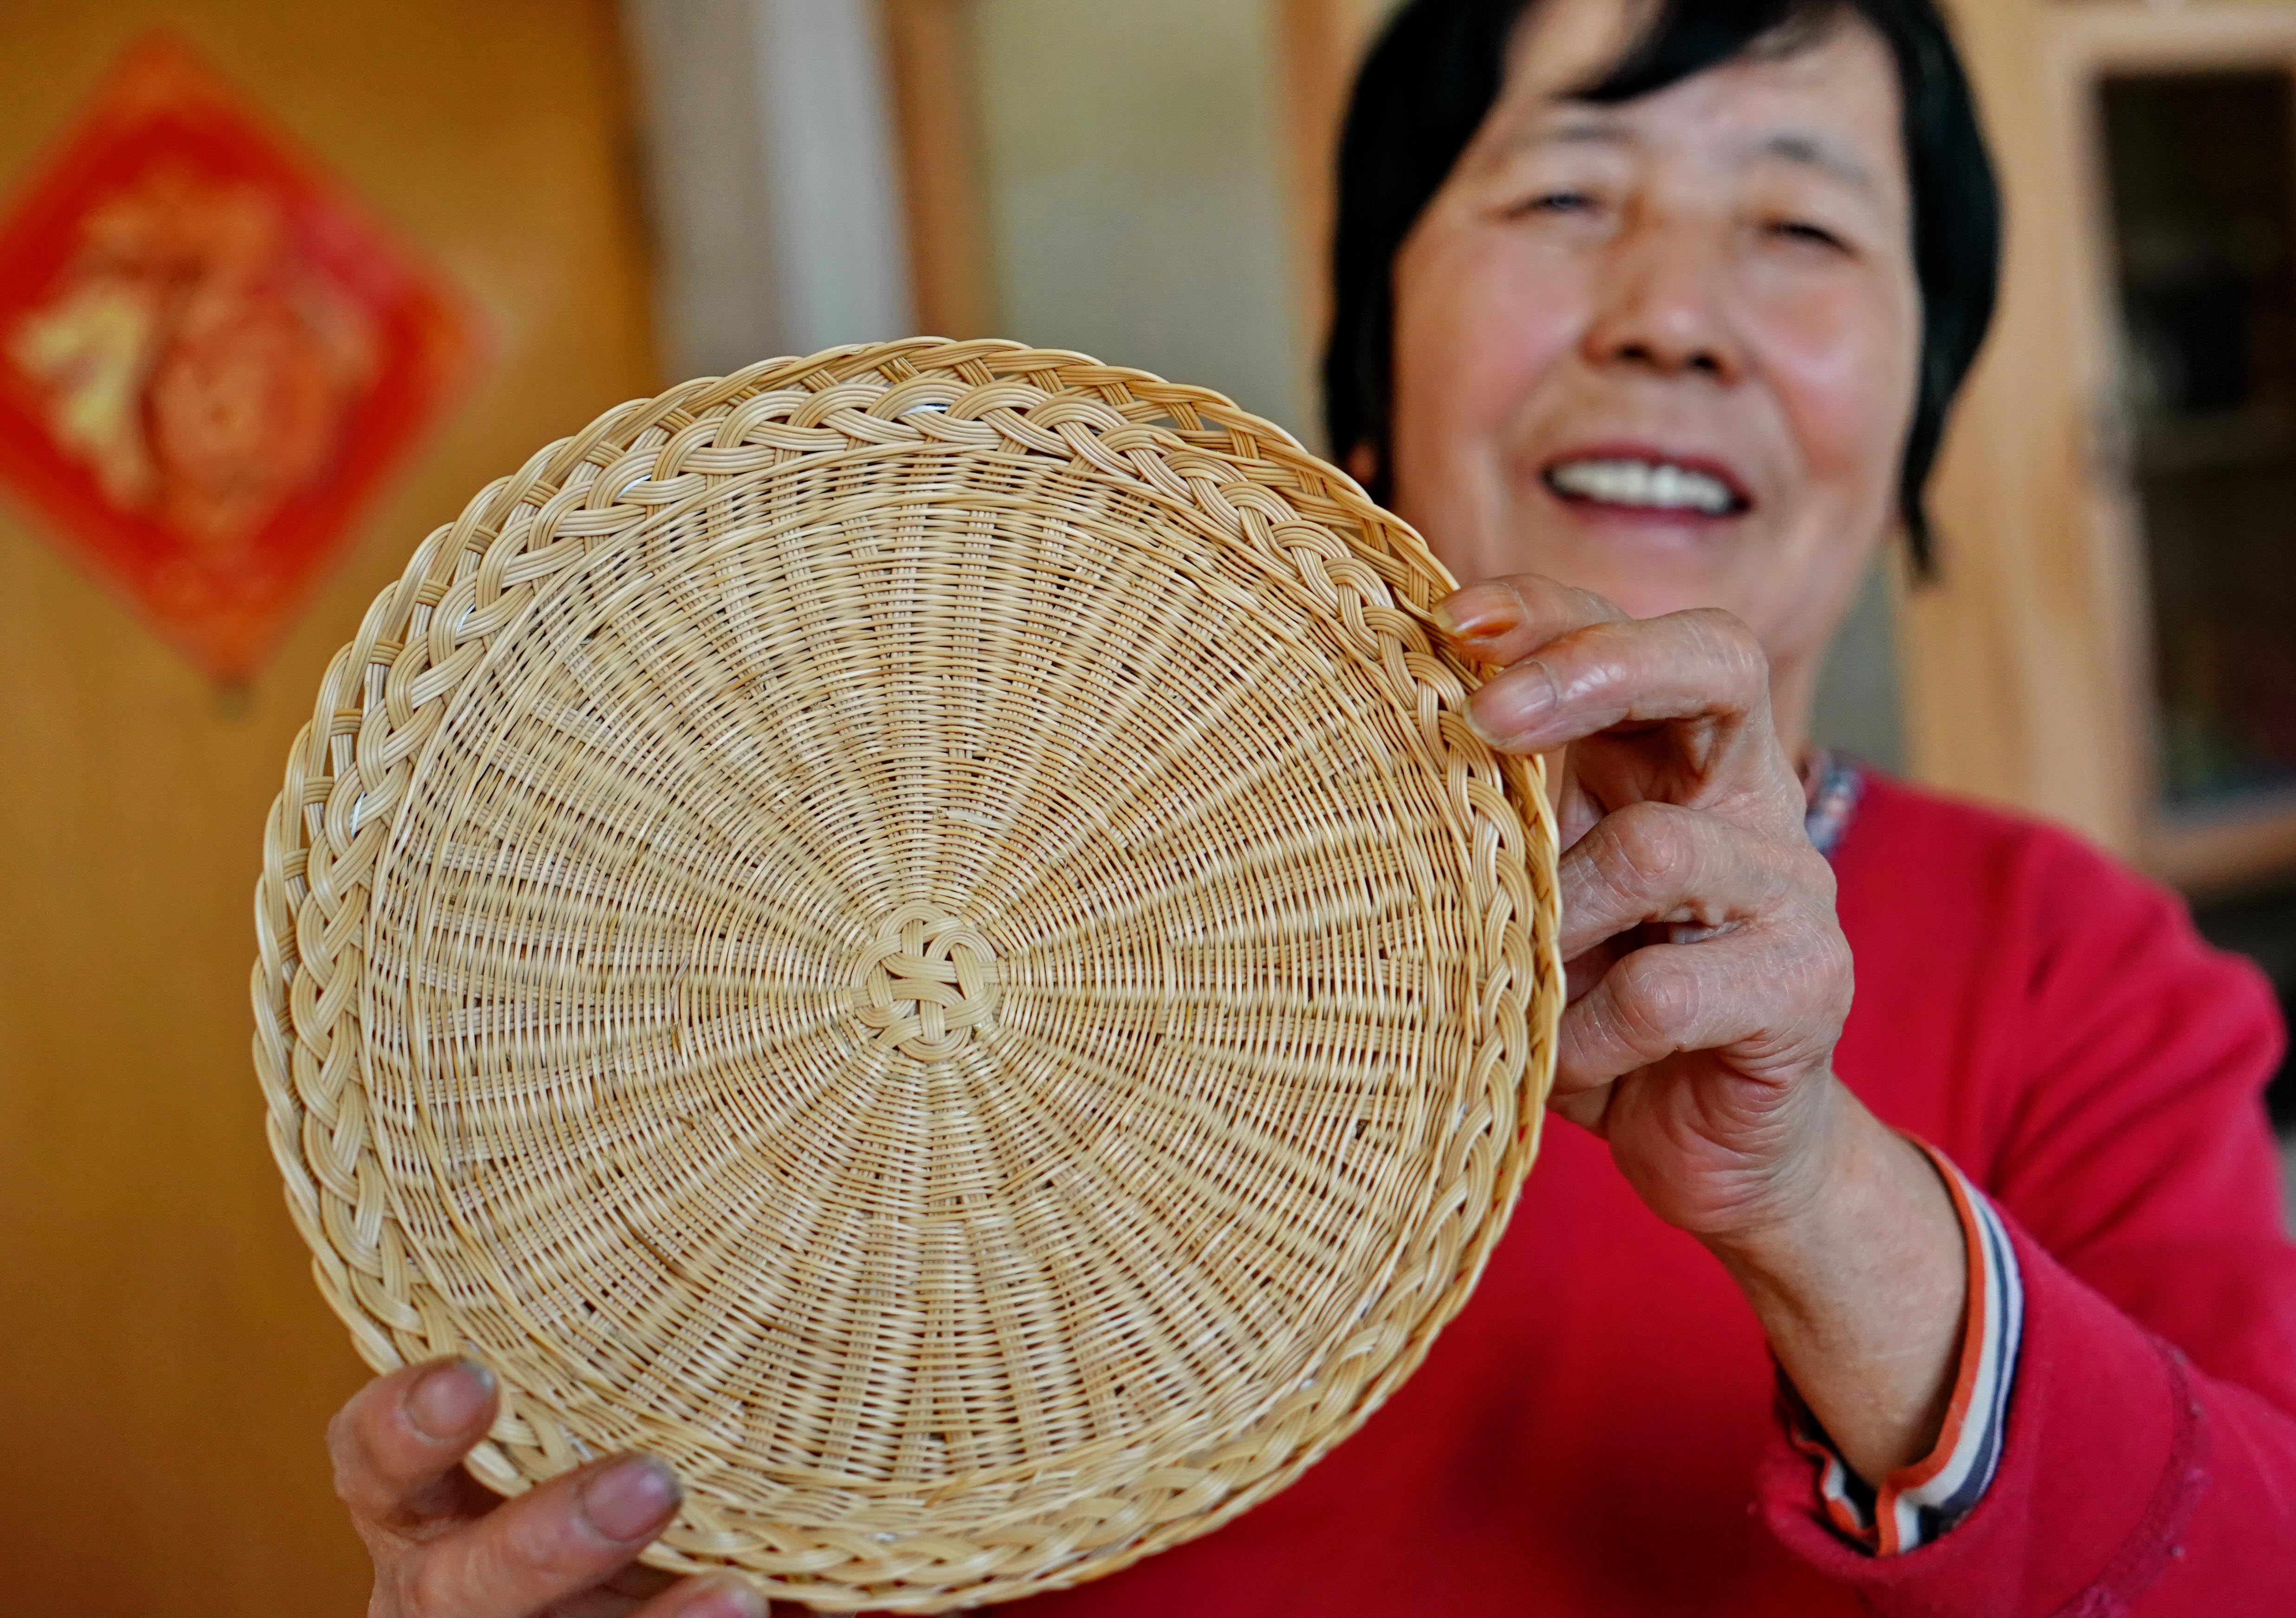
point(1917, 1503)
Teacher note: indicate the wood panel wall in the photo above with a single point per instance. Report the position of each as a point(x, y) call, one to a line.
point(168, 1367)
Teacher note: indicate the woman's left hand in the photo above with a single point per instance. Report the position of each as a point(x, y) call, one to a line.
point(1709, 981)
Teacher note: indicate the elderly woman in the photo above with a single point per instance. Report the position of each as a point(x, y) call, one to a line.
point(1648, 316)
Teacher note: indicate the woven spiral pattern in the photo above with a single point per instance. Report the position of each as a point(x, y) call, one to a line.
point(917, 931)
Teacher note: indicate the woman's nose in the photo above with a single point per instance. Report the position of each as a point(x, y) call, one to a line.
point(1660, 307)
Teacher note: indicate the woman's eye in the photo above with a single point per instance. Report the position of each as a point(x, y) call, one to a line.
point(1801, 230)
point(1557, 202)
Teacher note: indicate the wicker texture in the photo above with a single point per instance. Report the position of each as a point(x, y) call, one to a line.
point(918, 931)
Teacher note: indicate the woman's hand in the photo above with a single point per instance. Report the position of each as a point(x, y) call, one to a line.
point(446, 1546)
point(1708, 977)
point(1708, 984)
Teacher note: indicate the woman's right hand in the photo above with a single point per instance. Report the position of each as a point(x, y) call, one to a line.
point(446, 1546)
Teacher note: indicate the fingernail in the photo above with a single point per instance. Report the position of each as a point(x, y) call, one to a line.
point(1504, 712)
point(727, 1598)
point(1479, 612)
point(629, 1499)
point(449, 1399)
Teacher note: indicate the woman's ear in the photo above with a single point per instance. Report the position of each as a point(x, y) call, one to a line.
point(1363, 464)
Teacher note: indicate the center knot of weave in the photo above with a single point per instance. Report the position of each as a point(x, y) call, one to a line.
point(925, 982)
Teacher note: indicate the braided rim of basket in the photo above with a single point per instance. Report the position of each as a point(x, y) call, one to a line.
point(385, 694)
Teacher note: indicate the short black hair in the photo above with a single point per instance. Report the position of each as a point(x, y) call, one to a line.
point(1431, 79)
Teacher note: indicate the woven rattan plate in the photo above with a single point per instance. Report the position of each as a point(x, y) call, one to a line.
point(919, 932)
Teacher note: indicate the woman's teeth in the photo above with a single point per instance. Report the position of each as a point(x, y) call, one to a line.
point(1655, 484)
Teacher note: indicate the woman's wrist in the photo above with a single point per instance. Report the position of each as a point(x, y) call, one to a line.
point(1860, 1277)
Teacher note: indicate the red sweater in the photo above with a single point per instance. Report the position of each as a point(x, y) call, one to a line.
point(1596, 1433)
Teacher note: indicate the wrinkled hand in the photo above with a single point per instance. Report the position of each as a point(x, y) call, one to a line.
point(446, 1546)
point(1707, 978)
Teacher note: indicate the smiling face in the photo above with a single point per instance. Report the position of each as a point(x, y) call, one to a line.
point(1666, 350)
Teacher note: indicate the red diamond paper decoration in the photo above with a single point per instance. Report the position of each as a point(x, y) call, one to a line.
point(210, 356)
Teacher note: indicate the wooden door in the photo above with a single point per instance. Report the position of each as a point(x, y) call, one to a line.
point(167, 1365)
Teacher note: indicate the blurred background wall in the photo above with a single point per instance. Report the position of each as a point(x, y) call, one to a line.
point(624, 195)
